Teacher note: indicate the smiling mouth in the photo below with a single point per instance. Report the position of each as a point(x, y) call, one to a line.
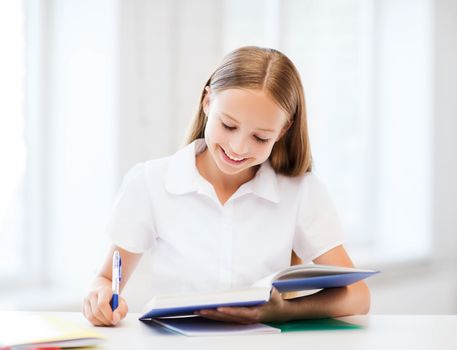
point(232, 159)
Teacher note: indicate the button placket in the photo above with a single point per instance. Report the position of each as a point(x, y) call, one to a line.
point(226, 246)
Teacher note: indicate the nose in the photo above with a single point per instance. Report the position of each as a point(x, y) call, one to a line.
point(239, 145)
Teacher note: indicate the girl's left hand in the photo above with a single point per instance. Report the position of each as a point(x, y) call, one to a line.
point(273, 310)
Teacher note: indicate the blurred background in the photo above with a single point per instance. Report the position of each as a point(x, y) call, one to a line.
point(89, 88)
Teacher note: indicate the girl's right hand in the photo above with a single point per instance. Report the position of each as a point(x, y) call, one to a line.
point(97, 308)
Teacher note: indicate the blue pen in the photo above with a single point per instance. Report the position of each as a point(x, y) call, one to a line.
point(116, 279)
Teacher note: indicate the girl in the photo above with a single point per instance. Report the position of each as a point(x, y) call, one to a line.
point(233, 205)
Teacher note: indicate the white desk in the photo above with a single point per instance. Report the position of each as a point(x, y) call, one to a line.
point(380, 332)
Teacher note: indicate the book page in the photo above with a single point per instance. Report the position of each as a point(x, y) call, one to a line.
point(313, 270)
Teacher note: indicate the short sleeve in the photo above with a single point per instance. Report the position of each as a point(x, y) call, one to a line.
point(130, 225)
point(318, 227)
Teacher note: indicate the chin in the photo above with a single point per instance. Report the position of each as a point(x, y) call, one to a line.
point(230, 171)
point(227, 170)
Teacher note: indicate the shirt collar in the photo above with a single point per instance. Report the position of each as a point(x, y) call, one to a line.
point(183, 176)
point(264, 184)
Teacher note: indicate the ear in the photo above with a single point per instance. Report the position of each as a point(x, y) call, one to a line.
point(206, 100)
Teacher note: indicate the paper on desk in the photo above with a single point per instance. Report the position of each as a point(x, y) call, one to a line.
point(21, 328)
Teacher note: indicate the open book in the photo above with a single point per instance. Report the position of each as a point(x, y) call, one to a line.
point(292, 279)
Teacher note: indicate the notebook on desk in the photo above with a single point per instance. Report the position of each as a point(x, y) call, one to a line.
point(195, 326)
point(22, 329)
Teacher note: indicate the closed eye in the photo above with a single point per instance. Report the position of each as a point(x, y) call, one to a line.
point(261, 140)
point(256, 138)
point(228, 127)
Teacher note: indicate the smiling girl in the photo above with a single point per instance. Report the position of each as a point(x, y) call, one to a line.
point(236, 204)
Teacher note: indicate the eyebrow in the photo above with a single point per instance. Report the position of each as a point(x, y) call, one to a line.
point(236, 121)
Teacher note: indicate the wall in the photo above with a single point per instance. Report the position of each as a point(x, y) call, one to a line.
point(431, 286)
point(113, 106)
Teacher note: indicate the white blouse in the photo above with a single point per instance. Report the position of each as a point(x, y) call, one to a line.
point(198, 244)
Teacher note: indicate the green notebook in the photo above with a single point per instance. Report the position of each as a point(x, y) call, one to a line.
point(323, 324)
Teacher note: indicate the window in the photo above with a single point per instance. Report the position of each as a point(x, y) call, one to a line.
point(363, 65)
point(12, 138)
point(58, 137)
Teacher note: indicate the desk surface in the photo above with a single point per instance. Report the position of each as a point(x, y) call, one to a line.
point(379, 332)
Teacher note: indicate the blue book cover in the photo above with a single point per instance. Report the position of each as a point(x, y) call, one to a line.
point(320, 282)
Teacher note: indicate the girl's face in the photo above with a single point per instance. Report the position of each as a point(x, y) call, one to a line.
point(242, 128)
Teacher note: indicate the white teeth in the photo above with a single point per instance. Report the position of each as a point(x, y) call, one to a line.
point(232, 158)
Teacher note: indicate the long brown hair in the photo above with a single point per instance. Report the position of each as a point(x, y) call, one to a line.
point(269, 70)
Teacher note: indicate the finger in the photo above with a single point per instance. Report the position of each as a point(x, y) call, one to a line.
point(275, 295)
point(83, 308)
point(220, 316)
point(275, 291)
point(96, 312)
point(103, 305)
point(88, 312)
point(89, 315)
point(247, 313)
point(121, 311)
